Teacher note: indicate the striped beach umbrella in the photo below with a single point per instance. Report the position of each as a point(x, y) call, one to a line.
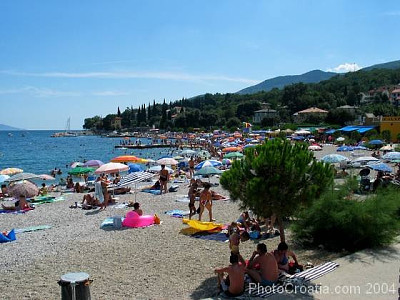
point(11, 171)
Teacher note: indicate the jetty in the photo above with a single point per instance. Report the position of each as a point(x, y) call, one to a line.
point(150, 146)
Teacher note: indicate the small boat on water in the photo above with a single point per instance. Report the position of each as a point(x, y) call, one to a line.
point(67, 132)
point(10, 134)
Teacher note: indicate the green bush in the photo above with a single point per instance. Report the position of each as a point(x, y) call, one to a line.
point(337, 222)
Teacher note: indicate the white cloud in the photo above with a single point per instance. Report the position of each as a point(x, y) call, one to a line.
point(110, 93)
point(40, 92)
point(127, 75)
point(344, 68)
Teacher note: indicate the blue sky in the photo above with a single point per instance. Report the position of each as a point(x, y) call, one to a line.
point(78, 59)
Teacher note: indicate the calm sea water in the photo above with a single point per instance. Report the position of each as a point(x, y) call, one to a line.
point(37, 152)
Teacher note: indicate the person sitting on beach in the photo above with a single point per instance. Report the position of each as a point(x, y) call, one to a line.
point(70, 183)
point(156, 185)
point(78, 188)
point(89, 201)
point(244, 220)
point(192, 196)
point(206, 201)
point(268, 273)
point(20, 204)
point(4, 191)
point(282, 255)
point(217, 196)
point(234, 240)
point(164, 178)
point(233, 284)
point(43, 191)
point(136, 209)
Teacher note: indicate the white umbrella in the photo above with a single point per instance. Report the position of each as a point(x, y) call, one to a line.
point(386, 148)
point(22, 176)
point(340, 139)
point(167, 161)
point(314, 148)
point(112, 168)
point(156, 169)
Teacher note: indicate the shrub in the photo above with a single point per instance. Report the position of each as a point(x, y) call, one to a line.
point(337, 222)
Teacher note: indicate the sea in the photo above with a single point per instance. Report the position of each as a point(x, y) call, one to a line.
point(37, 152)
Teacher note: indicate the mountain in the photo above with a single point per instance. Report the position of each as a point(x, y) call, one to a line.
point(279, 82)
point(8, 128)
point(389, 65)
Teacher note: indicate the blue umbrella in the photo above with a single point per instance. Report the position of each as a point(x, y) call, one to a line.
point(391, 156)
point(360, 148)
point(376, 142)
point(380, 167)
point(344, 148)
point(208, 163)
point(333, 158)
point(208, 171)
point(135, 168)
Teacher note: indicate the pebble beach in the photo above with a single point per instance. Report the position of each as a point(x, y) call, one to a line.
point(157, 262)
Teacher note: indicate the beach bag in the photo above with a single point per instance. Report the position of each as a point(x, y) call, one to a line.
point(156, 219)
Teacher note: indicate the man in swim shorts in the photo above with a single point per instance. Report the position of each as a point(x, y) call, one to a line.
point(192, 197)
point(268, 273)
point(233, 284)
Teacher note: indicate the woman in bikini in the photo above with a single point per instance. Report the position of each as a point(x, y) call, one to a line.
point(164, 178)
point(206, 201)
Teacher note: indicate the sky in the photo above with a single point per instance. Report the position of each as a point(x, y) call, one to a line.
point(79, 59)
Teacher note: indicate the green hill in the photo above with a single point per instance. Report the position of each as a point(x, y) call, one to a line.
point(281, 81)
point(7, 128)
point(390, 65)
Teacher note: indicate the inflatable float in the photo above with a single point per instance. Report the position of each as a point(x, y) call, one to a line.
point(133, 220)
point(203, 226)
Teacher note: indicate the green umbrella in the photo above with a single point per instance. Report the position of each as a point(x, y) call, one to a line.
point(234, 155)
point(208, 171)
point(80, 170)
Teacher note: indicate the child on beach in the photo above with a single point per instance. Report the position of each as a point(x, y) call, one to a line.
point(234, 240)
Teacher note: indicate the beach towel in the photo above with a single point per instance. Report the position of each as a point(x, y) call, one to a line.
point(177, 213)
point(109, 223)
point(302, 278)
point(154, 192)
point(32, 228)
point(7, 211)
point(185, 199)
point(203, 226)
point(9, 237)
point(45, 199)
point(219, 236)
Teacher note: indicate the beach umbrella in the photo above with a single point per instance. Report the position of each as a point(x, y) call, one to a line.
point(94, 163)
point(26, 188)
point(80, 170)
point(112, 168)
point(127, 158)
point(76, 164)
point(156, 169)
point(226, 161)
point(188, 152)
point(340, 139)
point(4, 178)
point(249, 146)
point(22, 176)
point(46, 177)
point(208, 171)
point(231, 149)
point(167, 161)
point(234, 155)
point(391, 156)
point(135, 168)
point(314, 148)
point(344, 148)
point(11, 171)
point(208, 163)
point(298, 138)
point(204, 153)
point(360, 148)
point(333, 158)
point(380, 167)
point(376, 142)
point(178, 157)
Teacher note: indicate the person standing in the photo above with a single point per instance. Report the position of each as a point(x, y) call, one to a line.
point(206, 201)
point(192, 197)
point(191, 167)
point(164, 178)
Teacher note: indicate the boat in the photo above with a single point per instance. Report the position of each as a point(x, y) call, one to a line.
point(67, 132)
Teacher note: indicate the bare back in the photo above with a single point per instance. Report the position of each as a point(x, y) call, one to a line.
point(268, 267)
point(236, 278)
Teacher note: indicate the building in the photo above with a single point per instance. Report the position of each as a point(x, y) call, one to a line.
point(261, 114)
point(395, 97)
point(302, 115)
point(391, 124)
point(350, 109)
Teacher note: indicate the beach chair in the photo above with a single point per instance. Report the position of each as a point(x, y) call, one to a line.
point(301, 278)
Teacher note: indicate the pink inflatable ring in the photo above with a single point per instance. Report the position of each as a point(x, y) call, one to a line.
point(133, 220)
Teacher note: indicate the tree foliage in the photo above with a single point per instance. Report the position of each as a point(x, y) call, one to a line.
point(277, 178)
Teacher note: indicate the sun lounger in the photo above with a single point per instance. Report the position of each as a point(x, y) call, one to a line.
point(303, 278)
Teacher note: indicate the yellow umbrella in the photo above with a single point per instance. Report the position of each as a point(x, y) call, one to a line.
point(128, 158)
point(11, 171)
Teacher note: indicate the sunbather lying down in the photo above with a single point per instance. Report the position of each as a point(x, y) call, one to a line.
point(89, 201)
point(122, 190)
point(216, 196)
